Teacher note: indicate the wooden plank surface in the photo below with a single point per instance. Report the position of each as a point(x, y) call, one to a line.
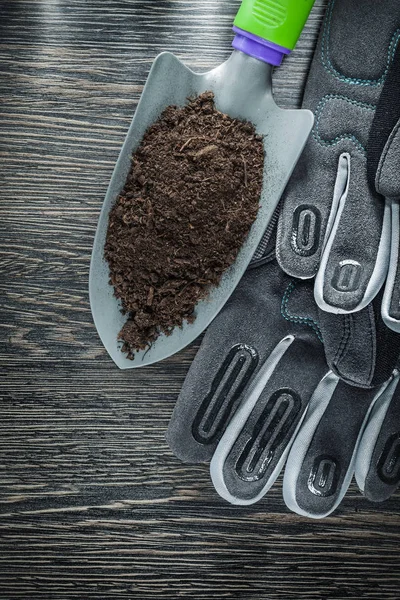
point(93, 503)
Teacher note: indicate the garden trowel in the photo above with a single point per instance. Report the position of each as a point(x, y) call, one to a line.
point(265, 31)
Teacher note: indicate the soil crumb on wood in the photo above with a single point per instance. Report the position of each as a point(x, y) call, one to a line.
point(187, 206)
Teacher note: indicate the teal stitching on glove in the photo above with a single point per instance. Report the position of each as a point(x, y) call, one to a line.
point(295, 318)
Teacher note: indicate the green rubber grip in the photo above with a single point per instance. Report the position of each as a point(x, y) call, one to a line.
point(278, 21)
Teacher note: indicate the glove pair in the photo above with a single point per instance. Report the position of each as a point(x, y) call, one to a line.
point(300, 365)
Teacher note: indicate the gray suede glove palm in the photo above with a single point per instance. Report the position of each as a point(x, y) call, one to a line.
point(281, 376)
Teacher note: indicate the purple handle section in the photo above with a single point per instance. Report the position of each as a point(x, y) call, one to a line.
point(258, 48)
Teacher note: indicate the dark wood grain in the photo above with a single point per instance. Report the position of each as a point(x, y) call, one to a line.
point(93, 504)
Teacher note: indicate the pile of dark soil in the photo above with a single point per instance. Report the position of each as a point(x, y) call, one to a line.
point(187, 206)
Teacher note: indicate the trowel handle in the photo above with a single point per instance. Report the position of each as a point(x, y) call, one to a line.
point(269, 29)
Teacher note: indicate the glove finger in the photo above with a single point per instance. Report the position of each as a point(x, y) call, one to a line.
point(355, 257)
point(253, 449)
point(234, 347)
point(321, 189)
point(359, 347)
point(384, 175)
point(384, 140)
point(391, 298)
point(321, 462)
point(377, 468)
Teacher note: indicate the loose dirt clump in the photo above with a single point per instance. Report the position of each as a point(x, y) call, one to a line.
point(187, 206)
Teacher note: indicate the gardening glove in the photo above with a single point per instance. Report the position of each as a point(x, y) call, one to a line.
point(340, 214)
point(259, 384)
point(283, 397)
point(377, 468)
point(334, 225)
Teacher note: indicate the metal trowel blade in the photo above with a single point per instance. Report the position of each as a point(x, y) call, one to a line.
point(243, 89)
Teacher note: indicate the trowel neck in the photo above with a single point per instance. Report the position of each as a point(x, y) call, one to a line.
point(257, 47)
